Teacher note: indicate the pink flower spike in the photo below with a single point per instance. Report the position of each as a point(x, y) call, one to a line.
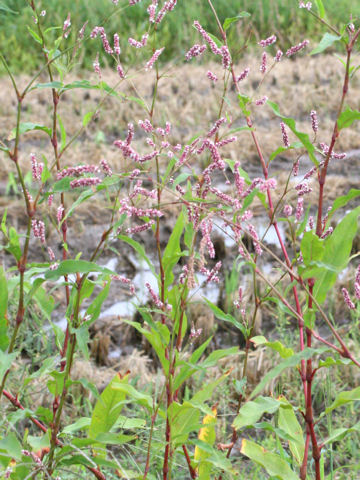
point(82, 30)
point(211, 76)
point(67, 23)
point(299, 208)
point(297, 48)
point(149, 65)
point(105, 167)
point(140, 228)
point(347, 299)
point(117, 49)
point(85, 182)
point(261, 101)
point(213, 47)
point(285, 135)
point(120, 71)
point(357, 290)
point(288, 210)
point(195, 51)
point(357, 276)
point(314, 121)
point(278, 56)
point(268, 41)
point(60, 214)
point(96, 65)
point(226, 57)
point(263, 63)
point(51, 254)
point(50, 199)
point(243, 75)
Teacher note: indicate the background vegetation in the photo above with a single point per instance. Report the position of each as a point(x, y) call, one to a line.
point(281, 17)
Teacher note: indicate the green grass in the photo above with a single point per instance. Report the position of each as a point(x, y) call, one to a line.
point(281, 17)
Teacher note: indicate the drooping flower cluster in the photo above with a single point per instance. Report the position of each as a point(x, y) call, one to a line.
point(195, 51)
point(325, 149)
point(268, 41)
point(141, 44)
point(149, 65)
point(38, 228)
point(297, 48)
point(211, 76)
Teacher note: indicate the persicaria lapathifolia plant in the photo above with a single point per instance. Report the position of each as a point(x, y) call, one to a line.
point(176, 202)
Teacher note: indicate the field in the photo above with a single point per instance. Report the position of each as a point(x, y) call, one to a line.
point(111, 364)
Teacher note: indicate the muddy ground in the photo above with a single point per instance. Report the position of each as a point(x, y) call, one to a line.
point(191, 103)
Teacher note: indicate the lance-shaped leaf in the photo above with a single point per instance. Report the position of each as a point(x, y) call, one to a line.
point(288, 422)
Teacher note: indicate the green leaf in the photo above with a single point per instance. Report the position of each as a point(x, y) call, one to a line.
point(83, 338)
point(39, 442)
point(62, 132)
point(114, 438)
point(87, 118)
point(339, 433)
point(243, 101)
point(336, 254)
point(54, 84)
point(94, 308)
point(287, 363)
point(183, 419)
point(81, 199)
point(14, 244)
point(107, 409)
point(85, 84)
point(226, 317)
point(11, 445)
point(320, 8)
point(303, 137)
point(288, 422)
point(271, 462)
point(138, 397)
point(343, 200)
point(76, 266)
point(80, 424)
point(326, 42)
point(344, 398)
point(172, 251)
point(229, 21)
point(252, 411)
point(6, 360)
point(312, 248)
point(34, 35)
point(139, 249)
point(28, 127)
point(347, 117)
point(283, 351)
point(4, 341)
point(7, 9)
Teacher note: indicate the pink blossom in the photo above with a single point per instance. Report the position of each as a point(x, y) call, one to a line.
point(155, 297)
point(297, 48)
point(213, 47)
point(299, 208)
point(261, 101)
point(141, 44)
point(195, 51)
point(42, 13)
point(96, 65)
point(50, 199)
point(105, 167)
point(211, 76)
point(255, 239)
point(216, 126)
point(268, 41)
point(306, 5)
point(269, 184)
point(151, 11)
point(51, 254)
point(139, 212)
point(357, 290)
point(67, 23)
point(285, 135)
point(263, 63)
point(135, 173)
point(226, 58)
point(146, 125)
point(357, 276)
point(325, 148)
point(38, 227)
point(134, 2)
point(211, 274)
point(120, 71)
point(153, 59)
point(117, 49)
point(303, 188)
point(60, 213)
point(77, 171)
point(347, 299)
point(243, 75)
point(125, 281)
point(82, 29)
point(296, 168)
point(239, 181)
point(288, 210)
point(36, 173)
point(314, 121)
point(226, 141)
point(85, 182)
point(140, 228)
point(278, 56)
point(327, 233)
